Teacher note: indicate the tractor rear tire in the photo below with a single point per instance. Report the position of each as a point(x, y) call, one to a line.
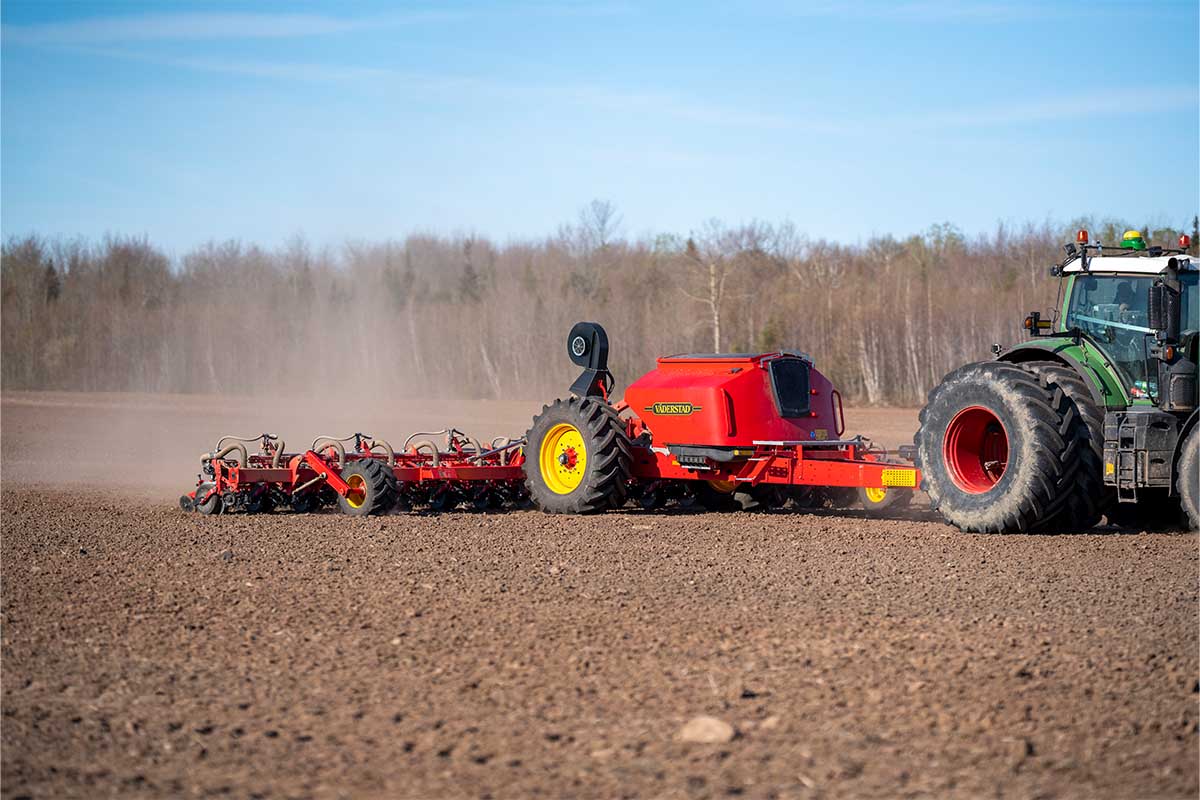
point(995, 448)
point(372, 488)
point(1187, 478)
point(577, 457)
point(1088, 498)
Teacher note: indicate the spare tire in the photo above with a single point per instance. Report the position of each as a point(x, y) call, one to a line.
point(995, 448)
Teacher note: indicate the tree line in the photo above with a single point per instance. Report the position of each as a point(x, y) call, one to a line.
point(462, 315)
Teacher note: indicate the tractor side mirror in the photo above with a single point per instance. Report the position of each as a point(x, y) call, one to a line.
point(1165, 310)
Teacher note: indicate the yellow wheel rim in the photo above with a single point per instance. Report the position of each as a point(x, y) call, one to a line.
point(724, 487)
point(875, 495)
point(563, 458)
point(358, 491)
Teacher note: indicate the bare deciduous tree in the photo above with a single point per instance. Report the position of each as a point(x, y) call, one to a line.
point(714, 255)
point(884, 320)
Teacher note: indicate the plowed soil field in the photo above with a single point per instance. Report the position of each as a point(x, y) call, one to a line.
point(148, 652)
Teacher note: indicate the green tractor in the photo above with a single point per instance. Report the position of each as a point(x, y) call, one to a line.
point(1094, 416)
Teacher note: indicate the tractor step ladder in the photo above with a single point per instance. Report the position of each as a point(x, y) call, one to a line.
point(1127, 461)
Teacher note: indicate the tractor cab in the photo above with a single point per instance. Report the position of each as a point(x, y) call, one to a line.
point(1137, 307)
point(1111, 306)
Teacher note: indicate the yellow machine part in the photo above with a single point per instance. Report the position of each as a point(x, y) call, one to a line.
point(875, 495)
point(563, 458)
point(900, 477)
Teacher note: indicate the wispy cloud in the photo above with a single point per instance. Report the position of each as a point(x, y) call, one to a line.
point(1106, 103)
point(929, 10)
point(998, 113)
point(311, 72)
point(201, 26)
point(615, 100)
point(274, 70)
point(946, 10)
point(651, 103)
point(195, 26)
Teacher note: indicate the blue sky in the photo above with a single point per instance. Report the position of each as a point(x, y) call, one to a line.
point(195, 121)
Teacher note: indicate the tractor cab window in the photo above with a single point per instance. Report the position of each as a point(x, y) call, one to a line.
point(789, 386)
point(1113, 311)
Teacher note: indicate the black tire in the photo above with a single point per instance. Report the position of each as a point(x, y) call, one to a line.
point(375, 488)
point(1088, 499)
point(608, 457)
point(212, 505)
point(995, 448)
point(894, 497)
point(1187, 478)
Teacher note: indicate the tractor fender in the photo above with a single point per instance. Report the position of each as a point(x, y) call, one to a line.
point(1033, 352)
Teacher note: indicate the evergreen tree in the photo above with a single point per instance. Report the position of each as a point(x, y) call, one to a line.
point(53, 284)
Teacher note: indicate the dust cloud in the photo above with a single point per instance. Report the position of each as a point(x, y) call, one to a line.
point(151, 443)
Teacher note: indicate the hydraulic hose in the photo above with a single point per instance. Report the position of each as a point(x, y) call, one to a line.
point(217, 456)
point(409, 440)
point(387, 448)
point(279, 445)
point(423, 444)
point(500, 444)
point(336, 444)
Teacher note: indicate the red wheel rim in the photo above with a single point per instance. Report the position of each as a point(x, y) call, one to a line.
point(976, 449)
